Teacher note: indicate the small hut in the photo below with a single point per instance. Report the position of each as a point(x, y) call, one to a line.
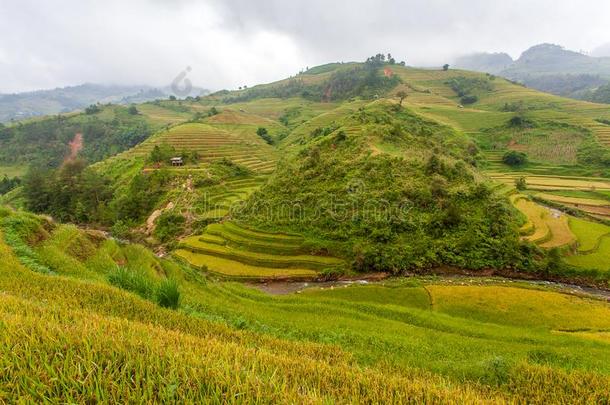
point(177, 161)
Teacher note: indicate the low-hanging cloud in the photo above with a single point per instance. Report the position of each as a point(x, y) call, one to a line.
point(229, 43)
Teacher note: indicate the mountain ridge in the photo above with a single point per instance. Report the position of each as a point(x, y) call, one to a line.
point(547, 67)
point(18, 106)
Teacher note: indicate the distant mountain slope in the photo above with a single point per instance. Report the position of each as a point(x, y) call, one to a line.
point(547, 59)
point(67, 99)
point(547, 67)
point(484, 62)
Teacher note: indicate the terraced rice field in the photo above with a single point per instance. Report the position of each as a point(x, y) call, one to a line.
point(599, 259)
point(549, 182)
point(574, 200)
point(217, 201)
point(214, 143)
point(547, 227)
point(163, 116)
point(589, 233)
point(451, 326)
point(235, 251)
point(593, 245)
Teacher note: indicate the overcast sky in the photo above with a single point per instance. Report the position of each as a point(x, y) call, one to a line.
point(229, 43)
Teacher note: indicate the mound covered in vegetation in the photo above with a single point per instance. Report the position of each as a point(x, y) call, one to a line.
point(391, 190)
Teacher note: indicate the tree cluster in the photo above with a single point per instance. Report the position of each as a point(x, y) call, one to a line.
point(7, 184)
point(72, 193)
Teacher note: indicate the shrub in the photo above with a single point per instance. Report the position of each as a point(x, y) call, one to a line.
point(469, 99)
point(264, 134)
point(519, 121)
point(132, 281)
point(497, 370)
point(464, 86)
point(7, 184)
point(92, 109)
point(168, 294)
point(161, 153)
point(169, 226)
point(521, 184)
point(514, 158)
point(234, 169)
point(120, 229)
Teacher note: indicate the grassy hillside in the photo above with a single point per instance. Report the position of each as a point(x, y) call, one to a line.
point(74, 331)
point(390, 189)
point(334, 136)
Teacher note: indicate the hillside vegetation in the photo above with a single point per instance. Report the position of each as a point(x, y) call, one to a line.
point(385, 167)
point(87, 319)
point(390, 190)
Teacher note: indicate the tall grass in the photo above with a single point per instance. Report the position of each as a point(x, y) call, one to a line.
point(132, 281)
point(168, 294)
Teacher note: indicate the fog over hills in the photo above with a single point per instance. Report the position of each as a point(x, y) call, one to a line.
point(550, 68)
point(62, 100)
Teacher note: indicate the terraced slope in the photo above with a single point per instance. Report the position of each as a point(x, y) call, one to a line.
point(593, 245)
point(430, 87)
point(546, 227)
point(161, 115)
point(549, 183)
point(231, 250)
point(218, 201)
point(214, 143)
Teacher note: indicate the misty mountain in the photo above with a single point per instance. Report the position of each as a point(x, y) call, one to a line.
point(548, 59)
point(484, 62)
point(601, 51)
point(61, 100)
point(547, 67)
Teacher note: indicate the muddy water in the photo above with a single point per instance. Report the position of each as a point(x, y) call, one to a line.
point(289, 287)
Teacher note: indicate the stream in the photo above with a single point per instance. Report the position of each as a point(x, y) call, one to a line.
point(291, 287)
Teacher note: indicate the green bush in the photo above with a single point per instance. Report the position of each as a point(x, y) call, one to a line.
point(264, 134)
point(168, 294)
point(514, 158)
point(169, 226)
point(464, 86)
point(469, 99)
point(521, 184)
point(121, 229)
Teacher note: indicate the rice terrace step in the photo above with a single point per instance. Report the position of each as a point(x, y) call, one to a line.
point(232, 250)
